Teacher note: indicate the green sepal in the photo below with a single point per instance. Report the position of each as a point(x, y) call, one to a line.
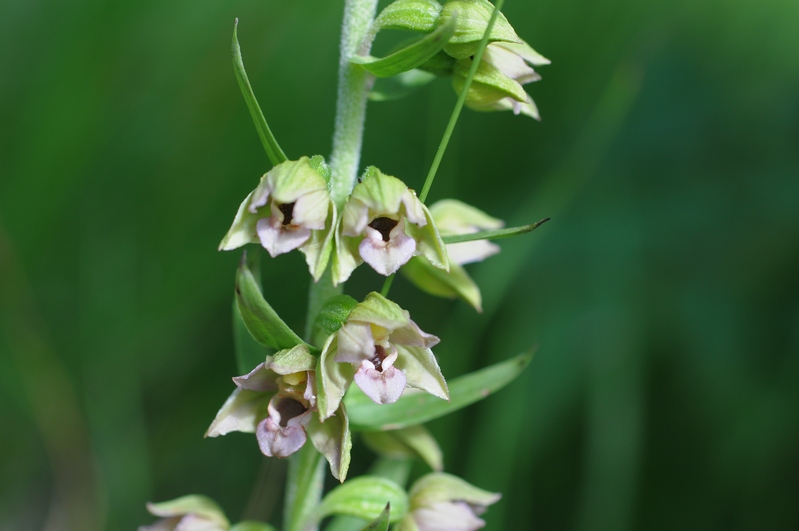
point(422, 371)
point(381, 522)
point(251, 525)
point(441, 487)
point(319, 247)
point(272, 148)
point(332, 439)
point(376, 309)
point(196, 504)
point(331, 316)
point(365, 497)
point(432, 280)
point(242, 411)
point(415, 407)
point(472, 20)
point(401, 85)
point(318, 163)
point(291, 360)
point(429, 242)
point(411, 55)
point(488, 85)
point(441, 64)
point(332, 379)
point(413, 441)
point(413, 15)
point(260, 319)
point(378, 191)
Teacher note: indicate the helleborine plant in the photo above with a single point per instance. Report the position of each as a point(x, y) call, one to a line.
point(365, 366)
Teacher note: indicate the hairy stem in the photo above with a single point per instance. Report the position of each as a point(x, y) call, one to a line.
point(353, 89)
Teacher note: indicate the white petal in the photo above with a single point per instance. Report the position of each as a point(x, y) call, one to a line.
point(354, 218)
point(383, 387)
point(355, 343)
point(387, 257)
point(413, 336)
point(509, 63)
point(468, 252)
point(311, 210)
point(447, 516)
point(258, 379)
point(279, 239)
point(414, 210)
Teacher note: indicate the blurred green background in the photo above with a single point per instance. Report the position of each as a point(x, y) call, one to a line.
point(663, 295)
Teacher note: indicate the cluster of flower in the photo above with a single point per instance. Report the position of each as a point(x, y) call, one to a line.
point(298, 393)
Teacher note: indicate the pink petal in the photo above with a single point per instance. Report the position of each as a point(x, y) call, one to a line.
point(413, 336)
point(258, 379)
point(279, 239)
point(382, 387)
point(275, 441)
point(387, 257)
point(447, 516)
point(355, 343)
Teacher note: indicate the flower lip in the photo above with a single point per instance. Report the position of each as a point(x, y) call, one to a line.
point(384, 225)
point(287, 209)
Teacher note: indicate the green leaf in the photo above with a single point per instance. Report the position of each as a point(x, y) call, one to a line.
point(273, 151)
point(413, 441)
point(260, 319)
point(417, 407)
point(435, 281)
point(401, 85)
point(494, 234)
point(381, 522)
point(410, 56)
point(414, 15)
point(331, 315)
point(365, 497)
point(251, 525)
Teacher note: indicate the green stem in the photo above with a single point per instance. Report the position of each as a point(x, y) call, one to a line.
point(353, 89)
point(456, 112)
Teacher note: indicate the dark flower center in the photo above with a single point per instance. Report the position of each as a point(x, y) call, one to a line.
point(288, 409)
point(287, 209)
point(380, 355)
point(384, 226)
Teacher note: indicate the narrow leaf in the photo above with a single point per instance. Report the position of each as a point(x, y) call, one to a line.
point(273, 151)
point(260, 319)
point(250, 525)
point(416, 407)
point(381, 522)
point(365, 497)
point(410, 56)
point(494, 234)
point(305, 486)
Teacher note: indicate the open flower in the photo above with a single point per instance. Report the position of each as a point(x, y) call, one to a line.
point(454, 218)
point(276, 401)
point(289, 209)
point(443, 502)
point(384, 224)
point(382, 351)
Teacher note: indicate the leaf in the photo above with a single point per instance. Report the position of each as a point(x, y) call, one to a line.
point(250, 525)
point(365, 497)
point(417, 407)
point(260, 319)
point(306, 483)
point(381, 522)
point(410, 56)
point(331, 315)
point(401, 85)
point(494, 234)
point(273, 151)
point(413, 441)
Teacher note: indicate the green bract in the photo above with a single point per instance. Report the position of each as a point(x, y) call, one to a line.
point(454, 217)
point(384, 224)
point(472, 21)
point(289, 209)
